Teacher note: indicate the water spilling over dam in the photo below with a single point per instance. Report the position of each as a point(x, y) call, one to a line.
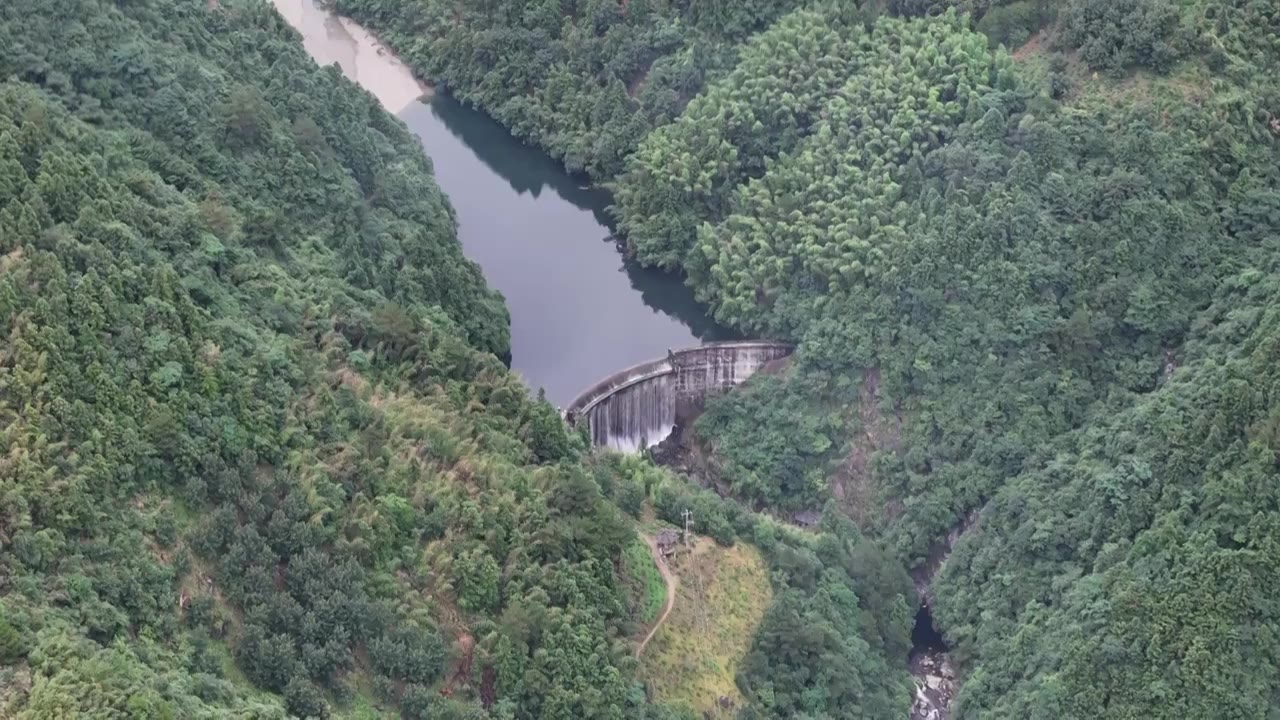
point(638, 407)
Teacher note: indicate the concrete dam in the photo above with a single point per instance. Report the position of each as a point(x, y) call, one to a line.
point(638, 407)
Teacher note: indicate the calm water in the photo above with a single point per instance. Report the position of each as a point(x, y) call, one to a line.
point(579, 310)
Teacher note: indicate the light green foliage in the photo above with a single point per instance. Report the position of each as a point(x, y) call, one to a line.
point(645, 589)
point(686, 172)
point(790, 231)
point(477, 581)
point(834, 640)
point(77, 677)
point(722, 594)
point(243, 153)
point(814, 136)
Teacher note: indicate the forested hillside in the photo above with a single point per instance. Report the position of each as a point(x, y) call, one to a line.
point(1132, 567)
point(241, 411)
point(261, 457)
point(1032, 295)
point(1027, 252)
point(1001, 264)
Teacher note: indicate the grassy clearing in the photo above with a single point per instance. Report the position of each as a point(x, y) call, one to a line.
point(646, 592)
point(1186, 83)
point(362, 706)
point(722, 596)
point(232, 674)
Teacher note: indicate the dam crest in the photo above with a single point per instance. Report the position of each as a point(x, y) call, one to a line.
point(638, 407)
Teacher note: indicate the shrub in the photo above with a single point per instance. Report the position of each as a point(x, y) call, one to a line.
point(12, 647)
point(410, 653)
point(1013, 24)
point(1059, 82)
point(304, 699)
point(1115, 34)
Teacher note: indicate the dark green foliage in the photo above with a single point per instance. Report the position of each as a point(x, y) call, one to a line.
point(1115, 34)
point(800, 633)
point(805, 659)
point(305, 700)
point(409, 653)
point(1005, 22)
point(252, 405)
point(1141, 554)
point(773, 449)
point(884, 260)
point(714, 518)
point(547, 435)
point(1059, 82)
point(12, 647)
point(918, 8)
point(1013, 23)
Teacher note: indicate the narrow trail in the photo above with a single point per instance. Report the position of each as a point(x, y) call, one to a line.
point(671, 582)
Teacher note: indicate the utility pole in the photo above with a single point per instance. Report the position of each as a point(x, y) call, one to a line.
point(688, 520)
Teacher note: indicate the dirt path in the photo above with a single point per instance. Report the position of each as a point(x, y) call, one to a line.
point(671, 582)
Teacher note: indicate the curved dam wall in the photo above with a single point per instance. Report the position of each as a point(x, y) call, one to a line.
point(638, 407)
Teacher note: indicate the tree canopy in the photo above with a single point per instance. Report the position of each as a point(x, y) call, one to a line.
point(263, 459)
point(1012, 309)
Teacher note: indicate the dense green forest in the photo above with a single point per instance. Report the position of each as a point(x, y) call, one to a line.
point(262, 457)
point(1027, 251)
point(1020, 289)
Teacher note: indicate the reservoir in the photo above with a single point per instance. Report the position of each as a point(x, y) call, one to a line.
point(579, 309)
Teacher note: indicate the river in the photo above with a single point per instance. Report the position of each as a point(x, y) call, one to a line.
point(579, 309)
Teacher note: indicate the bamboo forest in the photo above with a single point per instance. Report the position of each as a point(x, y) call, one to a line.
point(286, 377)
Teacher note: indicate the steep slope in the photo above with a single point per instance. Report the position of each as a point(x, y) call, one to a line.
point(250, 400)
point(994, 271)
point(719, 596)
point(1132, 571)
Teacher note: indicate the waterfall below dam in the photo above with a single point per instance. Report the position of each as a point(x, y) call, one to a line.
point(638, 407)
point(636, 418)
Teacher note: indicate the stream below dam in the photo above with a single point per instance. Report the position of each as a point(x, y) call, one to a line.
point(580, 310)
